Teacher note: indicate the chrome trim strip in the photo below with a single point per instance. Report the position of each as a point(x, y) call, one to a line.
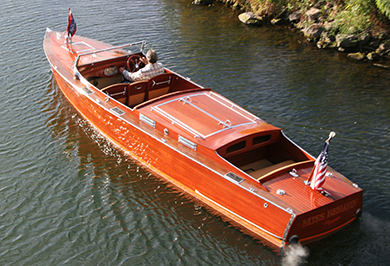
point(235, 214)
point(230, 127)
point(239, 110)
point(154, 83)
point(290, 222)
point(147, 120)
point(187, 142)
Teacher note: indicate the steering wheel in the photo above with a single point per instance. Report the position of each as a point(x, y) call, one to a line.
point(134, 63)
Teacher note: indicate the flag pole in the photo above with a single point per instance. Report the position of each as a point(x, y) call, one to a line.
point(320, 157)
point(71, 28)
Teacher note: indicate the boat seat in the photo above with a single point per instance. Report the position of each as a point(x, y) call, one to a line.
point(261, 172)
point(137, 93)
point(117, 91)
point(101, 83)
point(160, 85)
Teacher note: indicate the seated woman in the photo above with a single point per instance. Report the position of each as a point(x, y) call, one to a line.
point(152, 68)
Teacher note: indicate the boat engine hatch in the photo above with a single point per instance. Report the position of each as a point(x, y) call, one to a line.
point(202, 114)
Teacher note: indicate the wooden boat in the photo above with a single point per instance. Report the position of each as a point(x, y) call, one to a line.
point(207, 146)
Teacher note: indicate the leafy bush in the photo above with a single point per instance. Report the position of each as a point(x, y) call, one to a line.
point(384, 7)
point(355, 17)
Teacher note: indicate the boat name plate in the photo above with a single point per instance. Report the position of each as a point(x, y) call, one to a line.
point(237, 179)
point(147, 120)
point(187, 143)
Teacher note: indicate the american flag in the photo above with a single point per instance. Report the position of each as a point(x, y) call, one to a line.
point(71, 29)
point(317, 176)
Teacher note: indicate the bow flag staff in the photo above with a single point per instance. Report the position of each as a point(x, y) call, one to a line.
point(71, 29)
point(318, 174)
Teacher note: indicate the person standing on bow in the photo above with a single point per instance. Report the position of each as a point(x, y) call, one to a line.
point(152, 68)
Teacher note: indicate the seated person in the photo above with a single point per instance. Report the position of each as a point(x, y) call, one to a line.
point(152, 68)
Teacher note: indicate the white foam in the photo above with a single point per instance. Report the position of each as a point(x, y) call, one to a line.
point(295, 255)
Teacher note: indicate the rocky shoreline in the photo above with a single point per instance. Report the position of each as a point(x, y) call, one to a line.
point(317, 26)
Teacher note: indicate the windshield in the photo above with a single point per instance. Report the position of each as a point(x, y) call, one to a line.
point(96, 55)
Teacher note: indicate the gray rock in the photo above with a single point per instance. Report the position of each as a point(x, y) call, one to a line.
point(373, 56)
point(313, 32)
point(276, 21)
point(357, 56)
point(203, 2)
point(364, 38)
point(250, 18)
point(384, 48)
point(327, 40)
point(295, 17)
point(347, 41)
point(313, 14)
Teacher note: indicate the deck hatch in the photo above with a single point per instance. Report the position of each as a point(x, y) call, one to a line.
point(237, 179)
point(202, 114)
point(147, 120)
point(187, 142)
point(78, 47)
point(118, 111)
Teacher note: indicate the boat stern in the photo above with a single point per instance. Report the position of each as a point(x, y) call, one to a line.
point(323, 221)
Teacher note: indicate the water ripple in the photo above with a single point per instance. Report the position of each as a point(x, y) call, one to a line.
point(69, 196)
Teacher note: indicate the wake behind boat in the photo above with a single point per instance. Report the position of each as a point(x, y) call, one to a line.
point(207, 146)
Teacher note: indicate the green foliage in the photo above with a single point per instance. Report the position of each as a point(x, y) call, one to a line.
point(355, 17)
point(384, 7)
point(346, 16)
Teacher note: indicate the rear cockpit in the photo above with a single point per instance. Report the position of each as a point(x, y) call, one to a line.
point(262, 153)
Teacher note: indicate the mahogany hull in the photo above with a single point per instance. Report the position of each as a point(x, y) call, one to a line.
point(253, 205)
point(187, 175)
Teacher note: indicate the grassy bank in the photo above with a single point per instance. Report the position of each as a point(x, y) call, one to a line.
point(348, 25)
point(349, 16)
